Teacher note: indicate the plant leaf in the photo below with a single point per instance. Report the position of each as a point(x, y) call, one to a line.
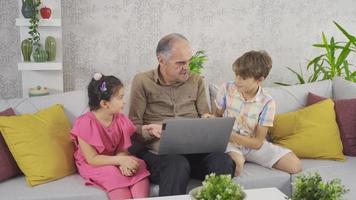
point(299, 76)
point(282, 84)
point(315, 60)
point(343, 55)
point(350, 37)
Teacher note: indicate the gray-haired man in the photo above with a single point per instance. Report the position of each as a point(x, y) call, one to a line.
point(169, 91)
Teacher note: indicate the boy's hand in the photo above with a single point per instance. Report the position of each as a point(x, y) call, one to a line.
point(154, 130)
point(234, 138)
point(239, 161)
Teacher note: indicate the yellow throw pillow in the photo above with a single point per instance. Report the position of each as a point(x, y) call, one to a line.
point(40, 144)
point(311, 132)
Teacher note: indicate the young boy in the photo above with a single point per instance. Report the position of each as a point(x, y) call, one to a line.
point(254, 111)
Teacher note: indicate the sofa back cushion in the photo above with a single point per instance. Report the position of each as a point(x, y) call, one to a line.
point(75, 103)
point(346, 119)
point(291, 98)
point(342, 89)
point(8, 166)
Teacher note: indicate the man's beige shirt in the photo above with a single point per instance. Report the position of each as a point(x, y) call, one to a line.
point(151, 101)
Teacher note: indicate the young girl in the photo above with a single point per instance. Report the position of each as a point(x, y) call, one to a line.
point(102, 137)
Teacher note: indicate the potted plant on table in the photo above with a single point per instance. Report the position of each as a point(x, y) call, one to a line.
point(218, 187)
point(311, 187)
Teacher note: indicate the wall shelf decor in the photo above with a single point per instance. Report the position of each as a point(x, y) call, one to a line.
point(49, 73)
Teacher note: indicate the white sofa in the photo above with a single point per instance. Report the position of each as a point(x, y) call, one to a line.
point(287, 98)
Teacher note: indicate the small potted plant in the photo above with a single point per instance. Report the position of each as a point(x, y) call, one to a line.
point(220, 187)
point(197, 61)
point(311, 187)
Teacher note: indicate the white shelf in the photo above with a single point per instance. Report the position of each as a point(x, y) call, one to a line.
point(26, 66)
point(43, 22)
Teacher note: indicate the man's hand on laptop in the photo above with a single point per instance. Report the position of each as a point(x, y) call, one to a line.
point(153, 130)
point(207, 115)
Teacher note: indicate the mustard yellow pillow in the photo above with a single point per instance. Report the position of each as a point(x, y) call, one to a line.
point(40, 144)
point(311, 132)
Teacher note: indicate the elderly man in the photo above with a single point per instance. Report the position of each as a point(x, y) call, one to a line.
point(169, 91)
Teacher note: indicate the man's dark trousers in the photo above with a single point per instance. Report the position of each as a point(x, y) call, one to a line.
point(172, 172)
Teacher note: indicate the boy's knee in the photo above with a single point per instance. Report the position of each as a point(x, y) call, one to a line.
point(296, 166)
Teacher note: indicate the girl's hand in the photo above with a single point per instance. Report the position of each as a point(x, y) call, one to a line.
point(128, 162)
point(126, 171)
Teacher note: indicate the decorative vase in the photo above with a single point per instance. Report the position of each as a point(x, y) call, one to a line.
point(27, 8)
point(40, 55)
point(26, 49)
point(50, 47)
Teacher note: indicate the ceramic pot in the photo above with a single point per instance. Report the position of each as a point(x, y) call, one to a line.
point(50, 47)
point(40, 55)
point(27, 8)
point(26, 49)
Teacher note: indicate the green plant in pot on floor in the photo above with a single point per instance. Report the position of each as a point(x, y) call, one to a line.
point(39, 54)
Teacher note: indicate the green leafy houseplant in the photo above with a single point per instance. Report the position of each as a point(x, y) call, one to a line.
point(311, 187)
point(197, 61)
point(219, 187)
point(333, 62)
point(33, 28)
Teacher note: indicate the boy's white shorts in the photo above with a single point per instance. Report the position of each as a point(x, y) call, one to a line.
point(266, 156)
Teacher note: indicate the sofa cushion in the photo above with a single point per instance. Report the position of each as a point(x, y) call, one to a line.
point(75, 103)
point(342, 89)
point(8, 166)
point(346, 119)
point(291, 98)
point(68, 188)
point(311, 132)
point(256, 176)
point(40, 144)
point(345, 171)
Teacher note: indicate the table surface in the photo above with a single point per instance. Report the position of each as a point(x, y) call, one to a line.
point(251, 194)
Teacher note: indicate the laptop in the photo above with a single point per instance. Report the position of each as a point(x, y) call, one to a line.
point(195, 135)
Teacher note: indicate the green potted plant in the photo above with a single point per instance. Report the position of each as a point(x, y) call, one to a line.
point(39, 54)
point(311, 187)
point(197, 61)
point(332, 62)
point(219, 187)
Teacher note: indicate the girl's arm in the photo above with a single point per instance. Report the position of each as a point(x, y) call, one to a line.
point(252, 142)
point(95, 159)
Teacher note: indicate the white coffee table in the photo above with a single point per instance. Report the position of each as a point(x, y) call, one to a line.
point(251, 194)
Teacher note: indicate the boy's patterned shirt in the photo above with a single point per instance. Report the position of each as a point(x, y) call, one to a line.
point(248, 114)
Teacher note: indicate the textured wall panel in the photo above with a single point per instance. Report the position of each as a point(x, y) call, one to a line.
point(120, 36)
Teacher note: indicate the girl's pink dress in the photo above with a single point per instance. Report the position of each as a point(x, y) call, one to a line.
point(106, 141)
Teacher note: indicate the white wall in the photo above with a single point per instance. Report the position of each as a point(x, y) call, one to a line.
point(120, 36)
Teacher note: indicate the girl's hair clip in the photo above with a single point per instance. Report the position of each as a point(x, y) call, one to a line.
point(103, 87)
point(97, 76)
